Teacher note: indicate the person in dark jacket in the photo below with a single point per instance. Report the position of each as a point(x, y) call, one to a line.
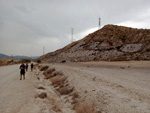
point(22, 71)
point(32, 66)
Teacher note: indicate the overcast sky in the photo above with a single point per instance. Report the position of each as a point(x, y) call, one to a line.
point(28, 25)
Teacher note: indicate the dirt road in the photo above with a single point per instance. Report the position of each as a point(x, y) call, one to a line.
point(21, 96)
point(113, 87)
point(17, 96)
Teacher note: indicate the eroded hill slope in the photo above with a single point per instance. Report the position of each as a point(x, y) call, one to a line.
point(111, 43)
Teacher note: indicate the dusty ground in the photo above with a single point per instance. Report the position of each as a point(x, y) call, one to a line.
point(18, 96)
point(5, 61)
point(21, 96)
point(113, 87)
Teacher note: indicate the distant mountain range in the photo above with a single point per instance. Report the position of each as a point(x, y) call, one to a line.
point(17, 56)
point(3, 56)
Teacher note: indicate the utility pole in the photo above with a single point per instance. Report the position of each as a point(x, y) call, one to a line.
point(43, 50)
point(71, 35)
point(99, 22)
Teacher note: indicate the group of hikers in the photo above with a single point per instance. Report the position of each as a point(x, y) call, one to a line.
point(23, 69)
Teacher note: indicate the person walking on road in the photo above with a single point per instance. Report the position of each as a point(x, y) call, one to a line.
point(26, 67)
point(22, 71)
point(32, 66)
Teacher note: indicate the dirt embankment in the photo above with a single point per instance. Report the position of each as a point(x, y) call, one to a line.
point(11, 61)
point(62, 96)
point(5, 61)
point(113, 87)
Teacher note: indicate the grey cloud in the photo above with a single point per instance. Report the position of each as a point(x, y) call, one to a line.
point(27, 22)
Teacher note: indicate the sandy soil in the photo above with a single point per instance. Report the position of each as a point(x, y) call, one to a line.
point(113, 87)
point(5, 61)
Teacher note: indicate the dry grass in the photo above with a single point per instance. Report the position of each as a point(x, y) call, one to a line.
point(52, 73)
point(42, 95)
point(5, 61)
point(59, 80)
point(62, 84)
point(74, 95)
point(56, 79)
point(86, 107)
point(55, 106)
point(40, 87)
point(57, 73)
point(43, 68)
point(74, 102)
point(65, 90)
point(49, 71)
point(47, 76)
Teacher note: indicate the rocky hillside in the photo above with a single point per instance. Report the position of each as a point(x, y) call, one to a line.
point(111, 43)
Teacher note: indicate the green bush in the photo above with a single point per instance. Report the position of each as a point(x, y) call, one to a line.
point(25, 60)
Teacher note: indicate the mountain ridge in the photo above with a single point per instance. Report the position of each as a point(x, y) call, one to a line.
point(17, 56)
point(4, 56)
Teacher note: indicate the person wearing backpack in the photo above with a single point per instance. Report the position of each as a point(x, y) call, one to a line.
point(22, 71)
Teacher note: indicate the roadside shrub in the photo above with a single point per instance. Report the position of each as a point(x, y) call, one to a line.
point(38, 60)
point(74, 95)
point(49, 71)
point(40, 87)
point(48, 76)
point(42, 95)
point(9, 62)
point(75, 103)
point(65, 90)
point(55, 106)
point(86, 107)
point(56, 79)
point(25, 60)
point(43, 68)
point(57, 73)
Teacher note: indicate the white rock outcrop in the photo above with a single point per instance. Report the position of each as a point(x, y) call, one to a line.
point(131, 47)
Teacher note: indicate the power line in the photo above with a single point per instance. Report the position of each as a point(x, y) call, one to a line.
point(99, 22)
point(71, 35)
